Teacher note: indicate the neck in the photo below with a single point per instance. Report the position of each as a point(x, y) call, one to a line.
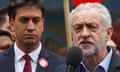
point(92, 61)
point(27, 48)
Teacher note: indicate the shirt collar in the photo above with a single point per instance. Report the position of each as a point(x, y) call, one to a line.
point(83, 67)
point(34, 54)
point(105, 62)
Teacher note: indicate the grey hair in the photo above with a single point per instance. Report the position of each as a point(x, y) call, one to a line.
point(103, 11)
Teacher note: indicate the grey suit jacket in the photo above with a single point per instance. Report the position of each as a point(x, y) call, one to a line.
point(113, 67)
point(7, 61)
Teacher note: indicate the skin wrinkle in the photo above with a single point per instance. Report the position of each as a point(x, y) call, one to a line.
point(28, 34)
point(90, 35)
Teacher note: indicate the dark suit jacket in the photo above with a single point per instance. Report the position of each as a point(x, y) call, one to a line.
point(7, 61)
point(113, 67)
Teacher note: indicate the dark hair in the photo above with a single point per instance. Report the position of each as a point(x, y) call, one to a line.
point(5, 33)
point(19, 3)
point(3, 10)
point(3, 14)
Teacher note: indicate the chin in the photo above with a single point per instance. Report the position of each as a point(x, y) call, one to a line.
point(29, 42)
point(89, 52)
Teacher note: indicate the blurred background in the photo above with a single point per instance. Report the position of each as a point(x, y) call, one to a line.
point(54, 36)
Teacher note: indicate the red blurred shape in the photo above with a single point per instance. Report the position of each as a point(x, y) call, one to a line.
point(77, 2)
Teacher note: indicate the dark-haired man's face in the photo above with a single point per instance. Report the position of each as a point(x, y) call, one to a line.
point(28, 26)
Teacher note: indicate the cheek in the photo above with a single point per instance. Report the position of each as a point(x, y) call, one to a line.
point(76, 37)
point(39, 30)
point(39, 26)
point(19, 30)
point(20, 26)
point(100, 37)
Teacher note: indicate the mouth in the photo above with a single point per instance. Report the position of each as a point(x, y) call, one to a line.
point(29, 35)
point(85, 43)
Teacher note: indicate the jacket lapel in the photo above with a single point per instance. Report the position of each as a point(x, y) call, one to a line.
point(43, 54)
point(115, 63)
point(9, 63)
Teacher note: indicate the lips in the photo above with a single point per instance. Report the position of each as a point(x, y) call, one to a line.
point(30, 35)
point(85, 43)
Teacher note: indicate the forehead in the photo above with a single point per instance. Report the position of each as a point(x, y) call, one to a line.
point(87, 16)
point(28, 11)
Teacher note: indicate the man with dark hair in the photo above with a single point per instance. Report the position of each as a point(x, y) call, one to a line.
point(5, 40)
point(28, 54)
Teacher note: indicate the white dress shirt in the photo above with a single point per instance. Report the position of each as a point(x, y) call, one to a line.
point(20, 62)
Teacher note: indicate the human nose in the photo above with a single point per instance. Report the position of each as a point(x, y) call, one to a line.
point(85, 33)
point(31, 25)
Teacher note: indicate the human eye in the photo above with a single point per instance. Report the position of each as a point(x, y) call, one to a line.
point(36, 20)
point(92, 26)
point(23, 19)
point(77, 28)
